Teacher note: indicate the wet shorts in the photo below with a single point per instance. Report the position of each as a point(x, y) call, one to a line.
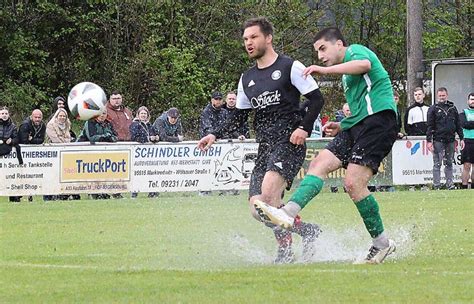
point(284, 158)
point(368, 142)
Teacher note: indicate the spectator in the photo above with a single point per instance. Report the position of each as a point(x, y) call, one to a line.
point(442, 125)
point(343, 113)
point(58, 130)
point(466, 119)
point(98, 129)
point(212, 116)
point(32, 132)
point(169, 126)
point(8, 139)
point(142, 131)
point(119, 116)
point(61, 104)
point(95, 130)
point(59, 127)
point(243, 131)
point(396, 98)
point(417, 115)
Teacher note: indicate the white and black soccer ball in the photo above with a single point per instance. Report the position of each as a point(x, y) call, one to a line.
point(86, 100)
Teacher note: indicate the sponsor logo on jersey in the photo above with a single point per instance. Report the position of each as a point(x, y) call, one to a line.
point(251, 83)
point(276, 75)
point(266, 99)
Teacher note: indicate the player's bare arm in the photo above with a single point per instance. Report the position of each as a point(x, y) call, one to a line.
point(332, 128)
point(353, 67)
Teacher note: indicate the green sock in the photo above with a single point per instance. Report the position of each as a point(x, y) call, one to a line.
point(369, 211)
point(308, 189)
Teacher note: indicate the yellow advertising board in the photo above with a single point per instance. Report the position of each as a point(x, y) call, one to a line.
point(80, 166)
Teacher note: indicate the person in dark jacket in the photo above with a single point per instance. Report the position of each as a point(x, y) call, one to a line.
point(442, 126)
point(466, 118)
point(213, 115)
point(417, 115)
point(169, 126)
point(98, 129)
point(8, 139)
point(243, 131)
point(142, 131)
point(8, 133)
point(32, 130)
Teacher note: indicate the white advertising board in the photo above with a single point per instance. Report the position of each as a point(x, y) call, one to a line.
point(412, 162)
point(126, 167)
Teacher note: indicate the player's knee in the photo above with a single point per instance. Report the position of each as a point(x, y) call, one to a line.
point(350, 184)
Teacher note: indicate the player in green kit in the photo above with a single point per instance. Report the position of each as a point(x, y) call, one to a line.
point(361, 141)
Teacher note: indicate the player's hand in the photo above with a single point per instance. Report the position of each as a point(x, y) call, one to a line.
point(314, 69)
point(298, 137)
point(462, 144)
point(429, 146)
point(9, 141)
point(331, 128)
point(180, 137)
point(206, 142)
point(241, 137)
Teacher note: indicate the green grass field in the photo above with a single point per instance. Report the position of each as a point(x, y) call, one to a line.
point(190, 249)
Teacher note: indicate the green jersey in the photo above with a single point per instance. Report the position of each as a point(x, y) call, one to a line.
point(367, 93)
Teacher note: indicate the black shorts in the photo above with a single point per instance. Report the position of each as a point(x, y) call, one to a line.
point(467, 154)
point(284, 158)
point(368, 142)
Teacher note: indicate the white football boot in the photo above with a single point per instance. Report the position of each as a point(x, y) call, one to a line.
point(274, 215)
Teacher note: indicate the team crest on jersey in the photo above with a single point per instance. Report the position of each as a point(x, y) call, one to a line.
point(276, 74)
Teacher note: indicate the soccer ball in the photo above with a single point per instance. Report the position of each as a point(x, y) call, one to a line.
point(86, 101)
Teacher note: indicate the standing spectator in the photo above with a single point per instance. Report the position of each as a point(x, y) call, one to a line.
point(396, 99)
point(60, 102)
point(59, 127)
point(243, 131)
point(58, 130)
point(8, 139)
point(466, 119)
point(98, 129)
point(32, 132)
point(142, 131)
point(8, 133)
point(343, 113)
point(119, 116)
point(417, 115)
point(169, 126)
point(213, 115)
point(442, 125)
